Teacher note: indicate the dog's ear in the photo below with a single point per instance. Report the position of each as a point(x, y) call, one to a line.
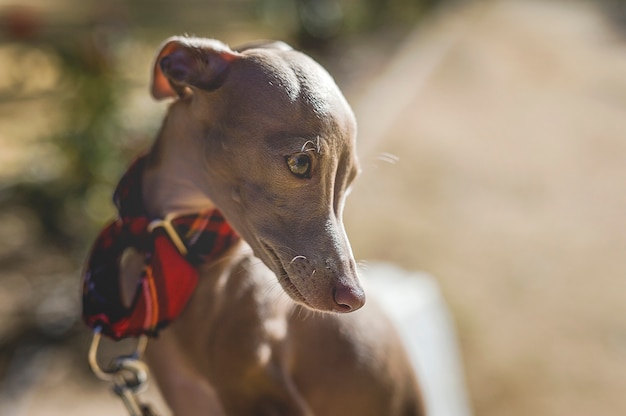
point(185, 62)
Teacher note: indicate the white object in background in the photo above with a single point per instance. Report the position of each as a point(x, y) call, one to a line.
point(415, 304)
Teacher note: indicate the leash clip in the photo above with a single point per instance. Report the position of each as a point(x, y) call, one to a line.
point(129, 374)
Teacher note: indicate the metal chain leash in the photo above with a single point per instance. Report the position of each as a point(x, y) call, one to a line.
point(128, 373)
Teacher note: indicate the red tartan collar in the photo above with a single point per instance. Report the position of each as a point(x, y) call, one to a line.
point(172, 248)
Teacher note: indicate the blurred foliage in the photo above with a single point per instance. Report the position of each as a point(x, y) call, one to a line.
point(85, 100)
point(85, 142)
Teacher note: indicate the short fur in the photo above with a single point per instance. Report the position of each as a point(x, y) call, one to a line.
point(241, 347)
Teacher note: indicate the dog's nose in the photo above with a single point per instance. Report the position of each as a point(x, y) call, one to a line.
point(348, 298)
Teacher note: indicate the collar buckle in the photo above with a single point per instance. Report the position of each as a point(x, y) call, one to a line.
point(170, 230)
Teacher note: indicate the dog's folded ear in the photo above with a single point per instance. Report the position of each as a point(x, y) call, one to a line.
point(184, 63)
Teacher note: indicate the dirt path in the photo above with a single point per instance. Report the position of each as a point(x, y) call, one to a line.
point(509, 123)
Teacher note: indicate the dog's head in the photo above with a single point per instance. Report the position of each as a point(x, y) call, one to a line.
point(278, 138)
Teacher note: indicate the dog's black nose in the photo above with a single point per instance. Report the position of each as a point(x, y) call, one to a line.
point(348, 298)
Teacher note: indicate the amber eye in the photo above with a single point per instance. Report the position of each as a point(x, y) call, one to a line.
point(300, 165)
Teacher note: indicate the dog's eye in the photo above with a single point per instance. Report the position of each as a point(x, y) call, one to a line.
point(300, 165)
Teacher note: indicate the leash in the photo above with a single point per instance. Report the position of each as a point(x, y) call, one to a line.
point(172, 248)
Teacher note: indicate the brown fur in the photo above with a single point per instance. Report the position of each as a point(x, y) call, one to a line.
point(242, 347)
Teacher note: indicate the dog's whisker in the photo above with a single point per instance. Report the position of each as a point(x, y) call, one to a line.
point(274, 291)
point(312, 146)
point(297, 258)
point(306, 148)
point(363, 264)
point(388, 157)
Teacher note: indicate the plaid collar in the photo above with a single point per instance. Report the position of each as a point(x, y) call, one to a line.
point(172, 249)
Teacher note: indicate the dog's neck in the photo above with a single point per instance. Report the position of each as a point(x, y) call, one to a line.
point(172, 182)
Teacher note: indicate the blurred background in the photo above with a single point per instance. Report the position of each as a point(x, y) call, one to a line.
point(492, 136)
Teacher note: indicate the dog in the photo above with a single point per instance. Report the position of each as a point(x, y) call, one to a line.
point(263, 133)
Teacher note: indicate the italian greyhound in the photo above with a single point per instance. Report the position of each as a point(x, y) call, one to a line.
point(263, 133)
